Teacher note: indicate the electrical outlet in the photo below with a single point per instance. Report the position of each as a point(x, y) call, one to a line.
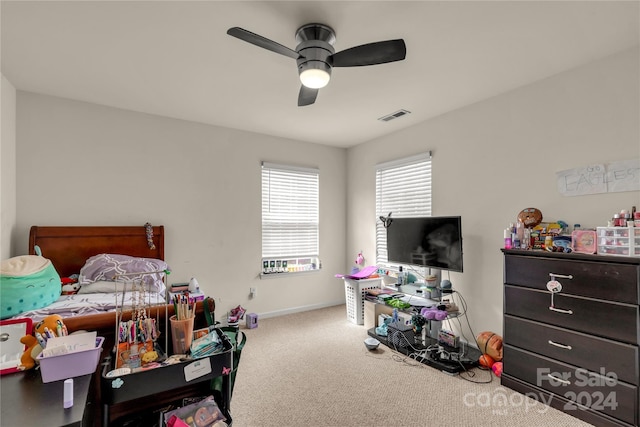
point(252, 292)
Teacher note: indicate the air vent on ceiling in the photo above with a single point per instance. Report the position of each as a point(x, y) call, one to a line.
point(395, 115)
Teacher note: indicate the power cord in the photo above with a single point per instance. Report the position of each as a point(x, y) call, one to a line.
point(470, 373)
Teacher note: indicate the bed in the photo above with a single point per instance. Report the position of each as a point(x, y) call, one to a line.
point(69, 249)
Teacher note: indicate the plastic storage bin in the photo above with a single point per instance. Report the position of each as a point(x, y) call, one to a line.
point(355, 294)
point(620, 241)
point(56, 368)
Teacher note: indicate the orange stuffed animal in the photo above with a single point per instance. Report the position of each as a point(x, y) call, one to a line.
point(49, 323)
point(28, 359)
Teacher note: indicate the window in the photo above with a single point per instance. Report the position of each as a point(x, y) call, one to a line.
point(290, 218)
point(403, 187)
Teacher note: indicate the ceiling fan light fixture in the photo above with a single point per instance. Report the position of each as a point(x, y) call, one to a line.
point(314, 78)
point(314, 74)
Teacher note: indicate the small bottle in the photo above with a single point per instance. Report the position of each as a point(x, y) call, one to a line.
point(399, 282)
point(520, 235)
point(68, 394)
point(507, 238)
point(526, 238)
point(577, 227)
point(516, 241)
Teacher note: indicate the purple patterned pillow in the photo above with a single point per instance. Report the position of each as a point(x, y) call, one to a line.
point(107, 266)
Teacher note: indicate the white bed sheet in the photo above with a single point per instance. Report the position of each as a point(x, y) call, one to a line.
point(83, 304)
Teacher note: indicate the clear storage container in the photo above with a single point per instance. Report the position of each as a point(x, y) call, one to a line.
point(620, 241)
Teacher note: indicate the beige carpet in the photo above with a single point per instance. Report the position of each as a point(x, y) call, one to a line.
point(312, 369)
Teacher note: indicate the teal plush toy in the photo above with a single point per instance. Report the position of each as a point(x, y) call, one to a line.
point(27, 282)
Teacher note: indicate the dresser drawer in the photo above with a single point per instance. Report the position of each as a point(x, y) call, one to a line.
point(602, 393)
point(618, 322)
point(592, 353)
point(609, 281)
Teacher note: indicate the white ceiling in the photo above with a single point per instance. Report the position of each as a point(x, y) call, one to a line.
point(174, 58)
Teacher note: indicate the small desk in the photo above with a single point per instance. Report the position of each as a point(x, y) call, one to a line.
point(26, 400)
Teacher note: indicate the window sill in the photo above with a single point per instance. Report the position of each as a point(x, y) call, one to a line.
point(285, 274)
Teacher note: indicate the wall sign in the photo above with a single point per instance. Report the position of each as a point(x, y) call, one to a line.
point(612, 177)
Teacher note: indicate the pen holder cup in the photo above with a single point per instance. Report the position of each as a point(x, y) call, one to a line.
point(181, 334)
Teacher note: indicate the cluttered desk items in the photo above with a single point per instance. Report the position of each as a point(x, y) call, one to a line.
point(49, 346)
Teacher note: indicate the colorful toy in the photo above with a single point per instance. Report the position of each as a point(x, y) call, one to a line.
point(50, 323)
point(28, 358)
point(433, 313)
point(50, 326)
point(69, 286)
point(149, 356)
point(29, 282)
point(497, 369)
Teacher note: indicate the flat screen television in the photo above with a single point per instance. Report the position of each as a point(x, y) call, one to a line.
point(434, 242)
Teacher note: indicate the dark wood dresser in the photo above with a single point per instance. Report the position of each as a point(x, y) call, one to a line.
point(575, 349)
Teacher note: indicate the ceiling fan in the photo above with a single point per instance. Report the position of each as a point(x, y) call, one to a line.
point(316, 56)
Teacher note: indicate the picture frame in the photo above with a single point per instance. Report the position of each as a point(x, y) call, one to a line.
point(11, 349)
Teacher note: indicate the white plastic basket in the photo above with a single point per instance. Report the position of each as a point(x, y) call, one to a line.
point(354, 291)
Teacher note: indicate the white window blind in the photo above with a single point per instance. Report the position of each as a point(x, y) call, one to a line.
point(290, 211)
point(403, 188)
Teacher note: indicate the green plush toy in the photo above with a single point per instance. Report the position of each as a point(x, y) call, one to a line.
point(27, 282)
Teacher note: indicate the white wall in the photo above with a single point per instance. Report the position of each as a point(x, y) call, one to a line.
point(85, 164)
point(497, 157)
point(7, 167)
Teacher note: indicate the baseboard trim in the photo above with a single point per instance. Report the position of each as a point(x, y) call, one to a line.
point(298, 309)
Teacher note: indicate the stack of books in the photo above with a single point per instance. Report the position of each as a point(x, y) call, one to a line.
point(179, 287)
point(378, 294)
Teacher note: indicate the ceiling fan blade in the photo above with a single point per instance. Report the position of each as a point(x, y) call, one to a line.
point(307, 96)
point(370, 54)
point(263, 42)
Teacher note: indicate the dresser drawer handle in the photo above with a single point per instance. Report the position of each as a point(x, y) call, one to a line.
point(562, 276)
point(560, 310)
point(558, 379)
point(566, 347)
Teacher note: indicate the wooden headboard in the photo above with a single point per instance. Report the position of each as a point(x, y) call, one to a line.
point(68, 248)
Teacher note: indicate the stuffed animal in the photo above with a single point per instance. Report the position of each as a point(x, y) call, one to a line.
point(34, 348)
point(70, 288)
point(49, 323)
point(28, 358)
point(149, 356)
